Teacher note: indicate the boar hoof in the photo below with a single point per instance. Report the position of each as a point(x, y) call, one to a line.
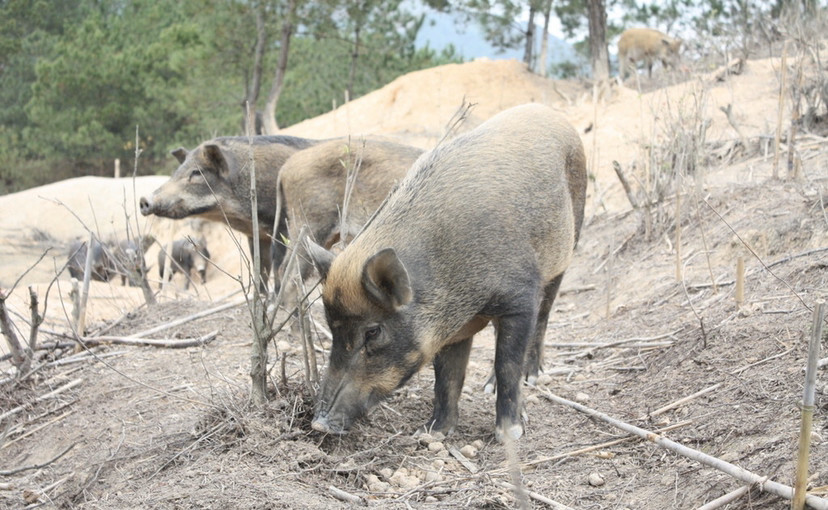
point(532, 380)
point(489, 387)
point(512, 433)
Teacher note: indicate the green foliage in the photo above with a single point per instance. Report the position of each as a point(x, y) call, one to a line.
point(77, 78)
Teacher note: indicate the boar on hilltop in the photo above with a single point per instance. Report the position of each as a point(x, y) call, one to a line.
point(646, 45)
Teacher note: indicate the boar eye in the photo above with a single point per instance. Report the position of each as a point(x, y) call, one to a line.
point(195, 174)
point(371, 333)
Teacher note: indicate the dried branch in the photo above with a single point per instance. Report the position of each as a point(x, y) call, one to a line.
point(171, 344)
point(11, 472)
point(346, 497)
point(708, 460)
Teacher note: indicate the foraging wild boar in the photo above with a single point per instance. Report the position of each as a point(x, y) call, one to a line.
point(128, 259)
point(481, 229)
point(213, 182)
point(313, 186)
point(102, 266)
point(186, 256)
point(648, 45)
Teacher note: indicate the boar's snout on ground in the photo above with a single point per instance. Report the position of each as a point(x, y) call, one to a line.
point(647, 45)
point(213, 182)
point(481, 229)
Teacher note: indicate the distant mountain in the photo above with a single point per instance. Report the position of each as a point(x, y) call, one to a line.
point(442, 29)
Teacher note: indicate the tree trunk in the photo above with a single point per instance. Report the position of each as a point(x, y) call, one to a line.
point(598, 40)
point(530, 36)
point(352, 72)
point(544, 49)
point(269, 115)
point(252, 96)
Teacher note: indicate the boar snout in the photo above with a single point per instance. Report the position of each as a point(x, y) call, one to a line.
point(145, 205)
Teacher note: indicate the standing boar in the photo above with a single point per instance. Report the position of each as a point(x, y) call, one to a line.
point(481, 229)
point(213, 182)
point(128, 259)
point(648, 45)
point(313, 186)
point(186, 255)
point(102, 266)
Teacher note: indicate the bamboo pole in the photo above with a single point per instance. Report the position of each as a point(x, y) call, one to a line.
point(801, 480)
point(708, 460)
point(740, 281)
point(80, 325)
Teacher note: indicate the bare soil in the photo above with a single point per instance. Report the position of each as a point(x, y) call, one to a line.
point(172, 428)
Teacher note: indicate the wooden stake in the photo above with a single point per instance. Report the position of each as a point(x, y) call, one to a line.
point(117, 168)
point(703, 458)
point(80, 326)
point(801, 480)
point(740, 281)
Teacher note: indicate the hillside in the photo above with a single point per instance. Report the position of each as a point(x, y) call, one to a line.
point(172, 428)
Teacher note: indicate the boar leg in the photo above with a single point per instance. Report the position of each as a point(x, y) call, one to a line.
point(534, 352)
point(513, 332)
point(449, 374)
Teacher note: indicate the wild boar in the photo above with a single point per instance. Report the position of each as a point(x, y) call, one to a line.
point(480, 229)
point(128, 259)
point(313, 185)
point(648, 45)
point(213, 182)
point(102, 266)
point(187, 255)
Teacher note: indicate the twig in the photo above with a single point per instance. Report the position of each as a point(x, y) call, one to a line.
point(727, 498)
point(708, 460)
point(20, 358)
point(36, 429)
point(186, 319)
point(457, 454)
point(681, 401)
point(346, 497)
point(625, 183)
point(80, 325)
point(601, 446)
point(742, 369)
point(41, 398)
point(37, 466)
point(172, 344)
point(537, 497)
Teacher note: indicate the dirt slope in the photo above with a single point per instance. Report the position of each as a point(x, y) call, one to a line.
point(162, 428)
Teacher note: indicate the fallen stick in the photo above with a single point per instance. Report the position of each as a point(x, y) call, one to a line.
point(616, 343)
point(708, 460)
point(171, 344)
point(184, 320)
point(37, 466)
point(537, 497)
point(457, 454)
point(742, 369)
point(681, 401)
point(86, 357)
point(39, 427)
point(727, 498)
point(41, 398)
point(346, 497)
point(601, 446)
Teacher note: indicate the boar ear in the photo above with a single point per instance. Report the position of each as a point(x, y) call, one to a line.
point(215, 158)
point(180, 154)
point(385, 280)
point(321, 258)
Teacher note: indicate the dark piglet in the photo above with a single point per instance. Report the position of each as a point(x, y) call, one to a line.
point(213, 183)
point(128, 259)
point(103, 267)
point(186, 255)
point(481, 229)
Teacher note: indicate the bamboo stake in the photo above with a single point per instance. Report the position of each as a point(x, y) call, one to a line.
point(681, 401)
point(708, 460)
point(740, 281)
point(801, 483)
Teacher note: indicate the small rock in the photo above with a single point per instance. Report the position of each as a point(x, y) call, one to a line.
point(443, 454)
point(479, 444)
point(387, 473)
point(543, 380)
point(579, 377)
point(815, 438)
point(284, 346)
point(431, 499)
point(469, 451)
point(595, 480)
point(425, 438)
point(432, 476)
point(436, 446)
point(438, 464)
point(605, 455)
point(438, 436)
point(581, 397)
point(532, 399)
